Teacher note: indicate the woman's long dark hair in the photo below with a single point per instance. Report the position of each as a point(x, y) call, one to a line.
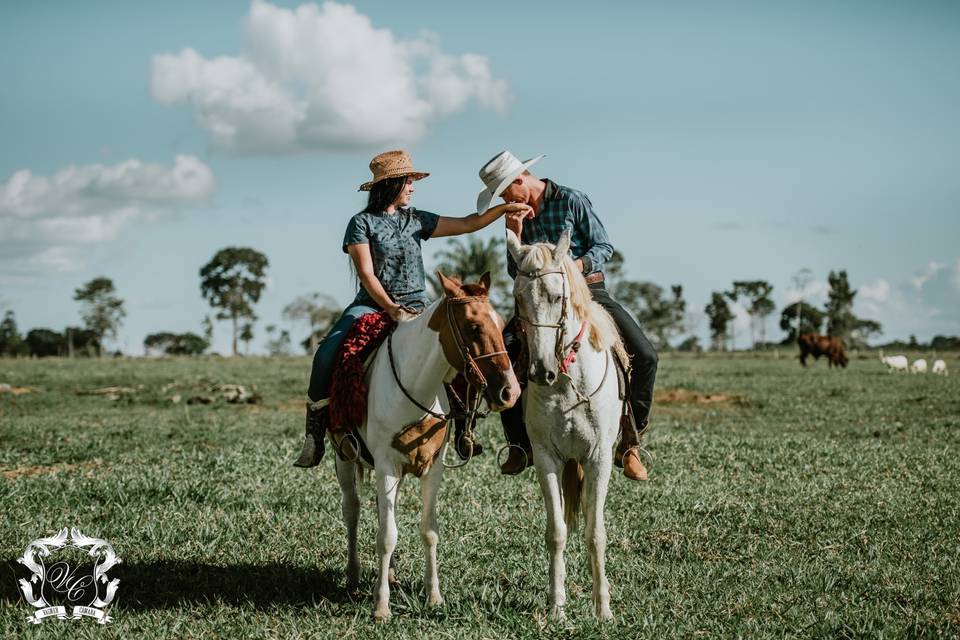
point(384, 193)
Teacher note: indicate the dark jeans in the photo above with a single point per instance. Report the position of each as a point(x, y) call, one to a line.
point(324, 359)
point(643, 358)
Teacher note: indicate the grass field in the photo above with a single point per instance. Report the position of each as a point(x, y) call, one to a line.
point(799, 503)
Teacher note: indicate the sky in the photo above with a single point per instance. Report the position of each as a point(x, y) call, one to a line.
point(717, 143)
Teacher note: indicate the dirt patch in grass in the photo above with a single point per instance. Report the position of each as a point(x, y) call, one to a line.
point(52, 468)
point(685, 396)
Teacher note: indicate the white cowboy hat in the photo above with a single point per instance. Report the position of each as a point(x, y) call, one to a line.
point(498, 174)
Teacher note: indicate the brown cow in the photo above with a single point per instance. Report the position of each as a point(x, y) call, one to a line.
point(817, 345)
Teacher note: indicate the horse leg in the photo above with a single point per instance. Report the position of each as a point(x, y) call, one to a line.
point(350, 508)
point(596, 480)
point(429, 488)
point(548, 473)
point(388, 484)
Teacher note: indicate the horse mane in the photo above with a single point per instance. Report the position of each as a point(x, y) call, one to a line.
point(603, 330)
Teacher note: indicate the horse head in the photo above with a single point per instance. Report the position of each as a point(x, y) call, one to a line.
point(548, 290)
point(471, 334)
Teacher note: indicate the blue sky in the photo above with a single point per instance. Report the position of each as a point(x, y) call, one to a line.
point(717, 143)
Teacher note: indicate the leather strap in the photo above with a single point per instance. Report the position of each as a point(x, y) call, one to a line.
point(593, 278)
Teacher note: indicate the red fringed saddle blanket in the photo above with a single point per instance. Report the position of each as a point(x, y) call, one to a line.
point(348, 390)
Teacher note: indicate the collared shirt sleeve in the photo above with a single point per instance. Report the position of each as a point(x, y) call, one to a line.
point(428, 223)
point(357, 232)
point(597, 242)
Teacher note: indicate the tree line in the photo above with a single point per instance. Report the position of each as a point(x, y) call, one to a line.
point(235, 277)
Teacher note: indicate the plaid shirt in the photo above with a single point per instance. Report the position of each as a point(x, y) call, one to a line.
point(561, 208)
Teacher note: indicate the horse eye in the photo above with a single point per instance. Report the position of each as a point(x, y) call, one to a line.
point(475, 328)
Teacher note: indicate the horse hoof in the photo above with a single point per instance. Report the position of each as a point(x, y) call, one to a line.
point(353, 577)
point(381, 615)
point(556, 612)
point(435, 600)
point(605, 615)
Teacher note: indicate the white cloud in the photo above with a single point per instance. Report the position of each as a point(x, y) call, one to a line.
point(878, 291)
point(932, 269)
point(46, 221)
point(323, 77)
point(925, 305)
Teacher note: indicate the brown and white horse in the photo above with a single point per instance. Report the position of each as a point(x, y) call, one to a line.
point(407, 411)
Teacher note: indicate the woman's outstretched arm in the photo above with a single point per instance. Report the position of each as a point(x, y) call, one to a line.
point(448, 226)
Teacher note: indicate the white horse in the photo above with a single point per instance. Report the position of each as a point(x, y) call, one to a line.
point(571, 406)
point(406, 415)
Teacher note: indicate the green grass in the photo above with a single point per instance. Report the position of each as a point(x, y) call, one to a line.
point(814, 504)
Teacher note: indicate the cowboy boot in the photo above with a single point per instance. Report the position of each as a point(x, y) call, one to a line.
point(520, 453)
point(628, 451)
point(312, 451)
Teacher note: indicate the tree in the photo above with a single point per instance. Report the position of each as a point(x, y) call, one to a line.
point(691, 344)
point(232, 283)
point(468, 259)
point(718, 311)
point(81, 342)
point(207, 325)
point(11, 344)
point(246, 335)
point(840, 318)
point(863, 331)
point(318, 310)
point(186, 344)
point(757, 292)
point(44, 343)
point(101, 310)
point(280, 345)
point(660, 316)
point(811, 320)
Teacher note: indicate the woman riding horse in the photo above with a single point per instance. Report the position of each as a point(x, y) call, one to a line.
point(383, 241)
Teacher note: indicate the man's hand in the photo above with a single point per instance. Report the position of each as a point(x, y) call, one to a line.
point(515, 217)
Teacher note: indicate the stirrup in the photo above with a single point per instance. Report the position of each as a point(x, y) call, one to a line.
point(638, 450)
point(526, 458)
point(339, 449)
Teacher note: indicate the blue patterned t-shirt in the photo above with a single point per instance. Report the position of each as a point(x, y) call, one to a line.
point(394, 240)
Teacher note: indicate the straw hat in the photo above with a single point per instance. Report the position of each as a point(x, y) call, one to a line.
point(392, 164)
point(497, 174)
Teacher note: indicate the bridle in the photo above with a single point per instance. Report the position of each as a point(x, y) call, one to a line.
point(476, 381)
point(566, 353)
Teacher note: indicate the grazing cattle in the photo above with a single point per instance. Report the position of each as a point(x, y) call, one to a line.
point(919, 366)
point(812, 344)
point(894, 363)
point(940, 367)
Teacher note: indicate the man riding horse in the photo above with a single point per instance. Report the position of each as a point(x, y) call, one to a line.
point(554, 208)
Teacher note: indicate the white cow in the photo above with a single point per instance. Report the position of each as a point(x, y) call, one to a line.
point(895, 363)
point(940, 367)
point(919, 366)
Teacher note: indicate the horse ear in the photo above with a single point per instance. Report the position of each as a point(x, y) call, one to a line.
point(485, 281)
point(451, 288)
point(563, 246)
point(513, 246)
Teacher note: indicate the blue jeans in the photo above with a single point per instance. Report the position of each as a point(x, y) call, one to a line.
point(325, 357)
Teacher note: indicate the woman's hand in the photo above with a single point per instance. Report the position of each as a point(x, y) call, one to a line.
point(396, 312)
point(518, 208)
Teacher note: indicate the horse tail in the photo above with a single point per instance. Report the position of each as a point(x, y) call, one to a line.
point(572, 489)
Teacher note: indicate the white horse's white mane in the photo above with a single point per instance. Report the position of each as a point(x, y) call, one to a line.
point(603, 330)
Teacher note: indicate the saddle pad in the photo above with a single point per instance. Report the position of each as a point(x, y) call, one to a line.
point(348, 390)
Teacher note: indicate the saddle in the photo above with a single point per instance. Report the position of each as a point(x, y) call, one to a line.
point(348, 389)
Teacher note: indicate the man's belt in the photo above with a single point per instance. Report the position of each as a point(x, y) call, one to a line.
point(594, 277)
